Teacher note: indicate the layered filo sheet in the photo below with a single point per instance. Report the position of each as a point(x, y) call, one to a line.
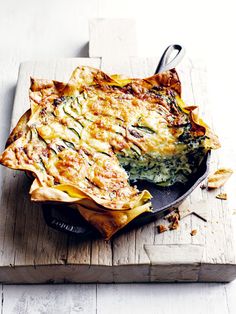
point(88, 141)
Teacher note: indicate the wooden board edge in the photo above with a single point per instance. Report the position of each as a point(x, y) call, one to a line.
point(117, 274)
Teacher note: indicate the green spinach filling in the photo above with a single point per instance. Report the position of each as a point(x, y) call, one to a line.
point(166, 170)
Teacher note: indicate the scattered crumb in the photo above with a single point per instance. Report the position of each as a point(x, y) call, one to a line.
point(161, 228)
point(203, 186)
point(174, 225)
point(170, 217)
point(222, 196)
point(174, 220)
point(219, 178)
point(193, 232)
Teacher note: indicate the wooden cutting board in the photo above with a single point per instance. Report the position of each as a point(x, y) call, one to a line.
point(31, 252)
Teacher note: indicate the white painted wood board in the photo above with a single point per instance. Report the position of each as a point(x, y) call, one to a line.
point(32, 253)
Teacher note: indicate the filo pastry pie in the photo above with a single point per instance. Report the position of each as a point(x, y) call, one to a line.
point(85, 143)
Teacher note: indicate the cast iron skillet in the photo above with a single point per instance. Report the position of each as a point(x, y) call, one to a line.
point(164, 200)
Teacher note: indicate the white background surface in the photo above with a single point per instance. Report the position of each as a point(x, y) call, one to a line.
point(47, 29)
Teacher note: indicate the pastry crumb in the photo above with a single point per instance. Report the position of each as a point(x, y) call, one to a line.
point(161, 228)
point(175, 214)
point(193, 232)
point(174, 225)
point(222, 196)
point(174, 220)
point(218, 179)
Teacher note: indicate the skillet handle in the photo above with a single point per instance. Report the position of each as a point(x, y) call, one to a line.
point(165, 63)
